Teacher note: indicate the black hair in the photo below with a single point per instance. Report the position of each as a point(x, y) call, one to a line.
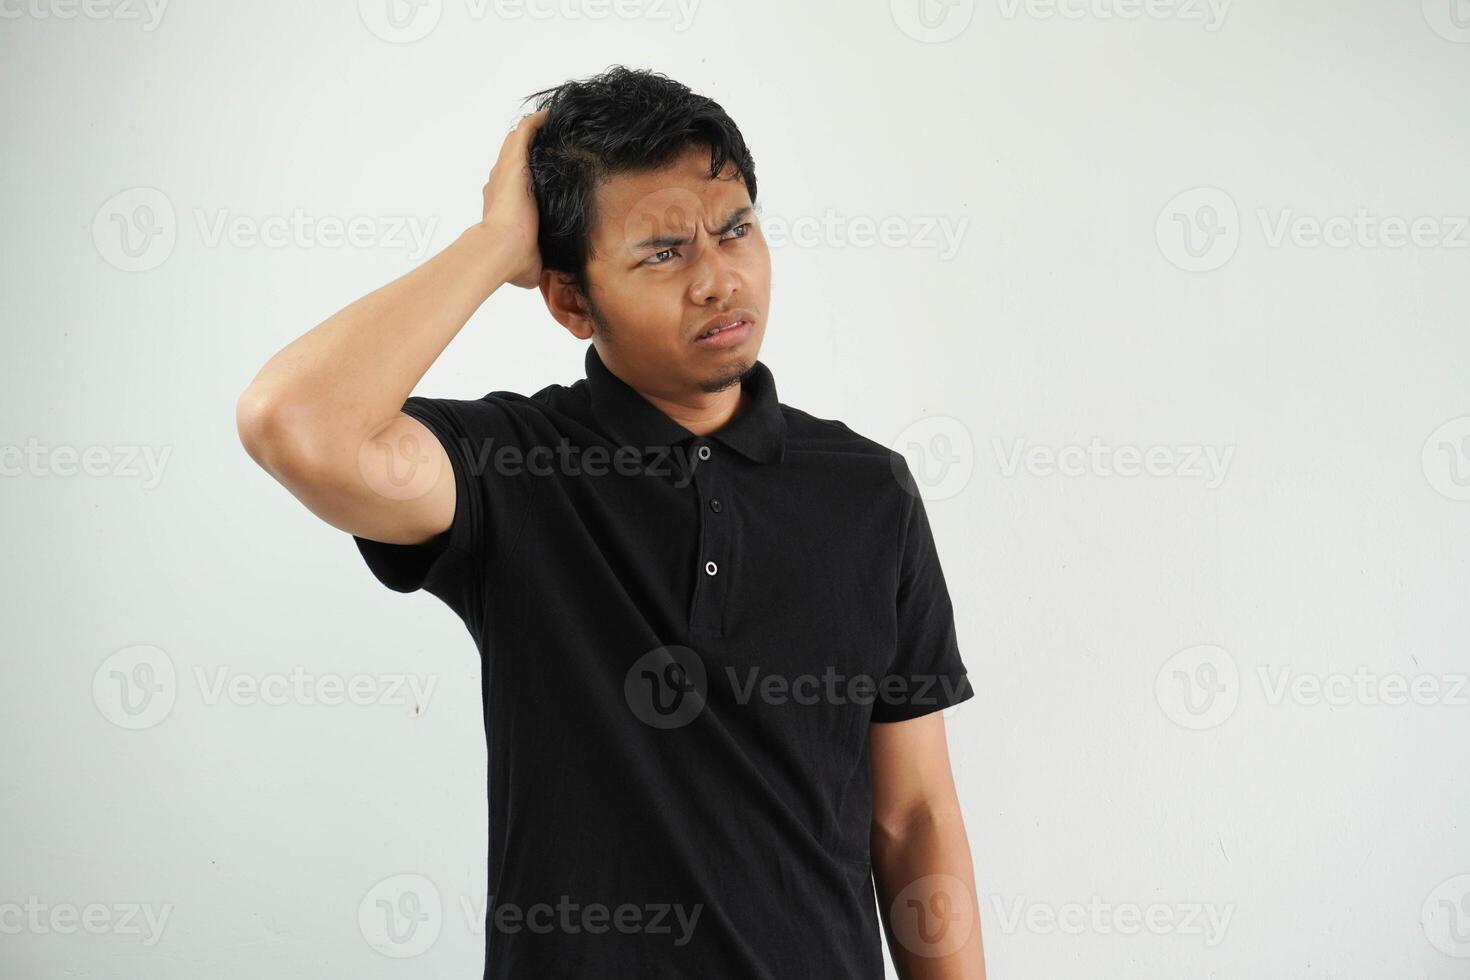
point(619, 121)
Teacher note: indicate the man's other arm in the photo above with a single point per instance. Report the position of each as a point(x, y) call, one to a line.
point(920, 854)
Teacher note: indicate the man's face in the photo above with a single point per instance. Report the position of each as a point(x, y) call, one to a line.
point(670, 250)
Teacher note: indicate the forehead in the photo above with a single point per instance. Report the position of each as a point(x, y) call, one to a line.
point(630, 206)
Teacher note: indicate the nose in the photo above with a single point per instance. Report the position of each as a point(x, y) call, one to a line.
point(716, 278)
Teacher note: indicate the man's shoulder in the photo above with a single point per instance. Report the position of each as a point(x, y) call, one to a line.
point(836, 445)
point(805, 431)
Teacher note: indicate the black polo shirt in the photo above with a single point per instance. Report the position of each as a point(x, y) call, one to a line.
point(683, 642)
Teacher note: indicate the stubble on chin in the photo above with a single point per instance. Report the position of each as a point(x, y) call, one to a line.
point(727, 379)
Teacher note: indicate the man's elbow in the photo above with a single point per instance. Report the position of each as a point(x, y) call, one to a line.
point(920, 818)
point(275, 434)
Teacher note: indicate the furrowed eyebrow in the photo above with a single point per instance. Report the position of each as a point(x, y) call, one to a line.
point(670, 241)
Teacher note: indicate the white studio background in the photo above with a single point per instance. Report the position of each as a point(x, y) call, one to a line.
point(1166, 301)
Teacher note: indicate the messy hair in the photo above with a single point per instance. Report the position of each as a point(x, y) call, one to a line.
point(620, 121)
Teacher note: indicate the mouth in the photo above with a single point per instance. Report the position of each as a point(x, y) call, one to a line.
point(725, 330)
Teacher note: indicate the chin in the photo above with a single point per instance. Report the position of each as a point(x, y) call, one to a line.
point(728, 376)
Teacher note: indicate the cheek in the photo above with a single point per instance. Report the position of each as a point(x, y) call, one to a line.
point(659, 316)
point(647, 307)
point(758, 284)
point(760, 263)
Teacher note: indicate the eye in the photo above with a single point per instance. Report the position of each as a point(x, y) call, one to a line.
point(671, 252)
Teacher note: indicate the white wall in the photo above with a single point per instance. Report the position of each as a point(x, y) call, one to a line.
point(1130, 745)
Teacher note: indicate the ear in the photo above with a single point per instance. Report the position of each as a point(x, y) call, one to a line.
point(565, 303)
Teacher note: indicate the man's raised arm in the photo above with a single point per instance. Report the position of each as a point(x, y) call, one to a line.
point(317, 414)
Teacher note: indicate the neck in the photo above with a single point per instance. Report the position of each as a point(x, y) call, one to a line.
point(706, 413)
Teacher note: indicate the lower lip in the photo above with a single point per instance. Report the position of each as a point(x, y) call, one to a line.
point(726, 338)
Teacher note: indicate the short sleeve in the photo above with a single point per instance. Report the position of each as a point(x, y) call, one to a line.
point(927, 673)
point(488, 505)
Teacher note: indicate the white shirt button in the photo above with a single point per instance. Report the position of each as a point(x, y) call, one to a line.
point(710, 568)
point(704, 452)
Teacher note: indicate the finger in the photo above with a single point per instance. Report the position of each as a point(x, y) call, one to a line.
point(531, 122)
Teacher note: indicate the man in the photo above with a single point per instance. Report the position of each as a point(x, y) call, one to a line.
point(714, 632)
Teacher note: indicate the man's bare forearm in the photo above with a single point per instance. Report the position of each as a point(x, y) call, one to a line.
point(350, 374)
point(924, 867)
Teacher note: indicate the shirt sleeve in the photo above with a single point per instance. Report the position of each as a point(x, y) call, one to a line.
point(927, 673)
point(489, 506)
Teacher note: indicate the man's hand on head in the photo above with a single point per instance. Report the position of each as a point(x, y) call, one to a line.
point(510, 205)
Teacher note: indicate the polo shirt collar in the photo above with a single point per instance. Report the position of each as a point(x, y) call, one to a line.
point(758, 433)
